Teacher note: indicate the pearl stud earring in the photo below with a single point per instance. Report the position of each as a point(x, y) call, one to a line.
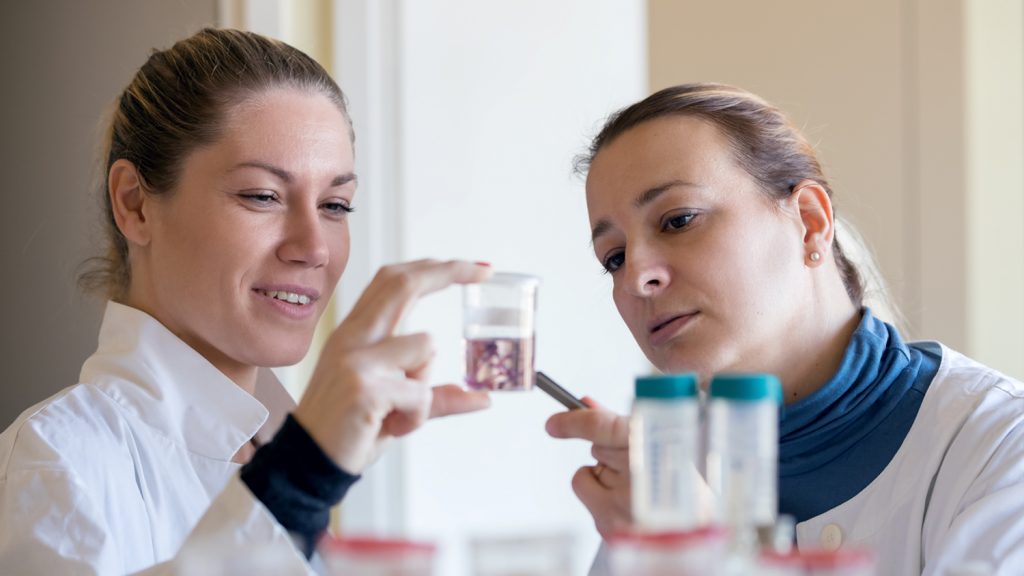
point(815, 256)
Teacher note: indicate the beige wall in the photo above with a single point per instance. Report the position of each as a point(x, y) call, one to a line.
point(61, 63)
point(995, 179)
point(901, 99)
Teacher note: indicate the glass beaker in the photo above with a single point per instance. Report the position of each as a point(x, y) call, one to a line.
point(498, 327)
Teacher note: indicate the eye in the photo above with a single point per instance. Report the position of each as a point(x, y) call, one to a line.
point(613, 261)
point(337, 208)
point(676, 222)
point(259, 197)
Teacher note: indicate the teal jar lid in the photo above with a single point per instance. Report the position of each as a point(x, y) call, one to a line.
point(747, 387)
point(667, 386)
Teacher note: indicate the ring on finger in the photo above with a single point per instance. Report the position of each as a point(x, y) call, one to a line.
point(596, 471)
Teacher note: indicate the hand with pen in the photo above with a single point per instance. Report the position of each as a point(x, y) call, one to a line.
point(605, 487)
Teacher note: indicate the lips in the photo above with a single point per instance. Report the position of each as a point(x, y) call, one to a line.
point(291, 300)
point(667, 326)
point(286, 296)
point(292, 293)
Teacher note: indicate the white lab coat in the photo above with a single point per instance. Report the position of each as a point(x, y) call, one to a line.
point(130, 470)
point(953, 492)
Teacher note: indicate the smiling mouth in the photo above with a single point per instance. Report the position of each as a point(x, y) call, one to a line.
point(290, 297)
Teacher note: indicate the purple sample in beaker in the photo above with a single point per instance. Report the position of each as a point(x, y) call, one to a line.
point(499, 363)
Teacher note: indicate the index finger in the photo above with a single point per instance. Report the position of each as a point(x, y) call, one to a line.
point(452, 399)
point(602, 427)
point(395, 288)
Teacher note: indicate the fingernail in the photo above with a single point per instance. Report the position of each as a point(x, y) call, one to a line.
point(487, 264)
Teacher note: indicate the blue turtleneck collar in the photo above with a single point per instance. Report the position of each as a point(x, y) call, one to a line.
point(834, 442)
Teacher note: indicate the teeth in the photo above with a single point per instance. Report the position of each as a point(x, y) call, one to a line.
point(291, 297)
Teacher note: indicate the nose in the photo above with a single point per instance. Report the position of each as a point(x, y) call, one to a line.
point(304, 241)
point(646, 274)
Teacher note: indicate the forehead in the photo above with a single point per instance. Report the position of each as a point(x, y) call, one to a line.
point(286, 118)
point(673, 147)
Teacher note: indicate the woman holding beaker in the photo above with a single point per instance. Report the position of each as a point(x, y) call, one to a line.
point(229, 185)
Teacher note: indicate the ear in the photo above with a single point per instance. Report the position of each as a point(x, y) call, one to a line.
point(815, 208)
point(127, 200)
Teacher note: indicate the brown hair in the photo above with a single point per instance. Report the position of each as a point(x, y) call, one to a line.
point(765, 144)
point(177, 102)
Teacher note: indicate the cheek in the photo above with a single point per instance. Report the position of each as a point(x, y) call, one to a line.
point(182, 252)
point(760, 274)
point(241, 246)
point(628, 308)
point(340, 251)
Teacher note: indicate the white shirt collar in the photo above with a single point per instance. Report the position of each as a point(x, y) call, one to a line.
point(158, 379)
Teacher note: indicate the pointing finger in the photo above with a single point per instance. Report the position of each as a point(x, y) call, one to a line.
point(598, 426)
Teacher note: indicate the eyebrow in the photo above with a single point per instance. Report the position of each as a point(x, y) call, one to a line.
point(287, 177)
point(646, 197)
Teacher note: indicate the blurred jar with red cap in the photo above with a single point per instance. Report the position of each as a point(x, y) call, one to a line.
point(675, 553)
point(843, 562)
point(375, 556)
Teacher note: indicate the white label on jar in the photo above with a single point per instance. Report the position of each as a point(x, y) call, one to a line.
point(664, 490)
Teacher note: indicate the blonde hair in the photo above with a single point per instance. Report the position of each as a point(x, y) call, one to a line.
point(877, 295)
point(177, 102)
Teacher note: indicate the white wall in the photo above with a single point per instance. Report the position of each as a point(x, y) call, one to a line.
point(467, 117)
point(995, 176)
point(496, 99)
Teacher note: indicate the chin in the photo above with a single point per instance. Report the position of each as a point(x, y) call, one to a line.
point(667, 360)
point(682, 362)
point(270, 356)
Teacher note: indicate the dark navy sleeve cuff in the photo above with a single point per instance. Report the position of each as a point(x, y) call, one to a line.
point(297, 482)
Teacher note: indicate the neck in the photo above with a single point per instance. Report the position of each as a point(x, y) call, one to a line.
point(823, 340)
point(242, 375)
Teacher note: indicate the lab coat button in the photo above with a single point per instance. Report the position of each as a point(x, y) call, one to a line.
point(831, 537)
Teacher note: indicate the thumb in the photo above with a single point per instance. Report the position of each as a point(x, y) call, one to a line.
point(453, 399)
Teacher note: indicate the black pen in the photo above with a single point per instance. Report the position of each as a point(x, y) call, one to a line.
point(558, 393)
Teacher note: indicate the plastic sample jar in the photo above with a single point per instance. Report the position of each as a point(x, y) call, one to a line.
point(699, 552)
point(743, 448)
point(371, 556)
point(663, 437)
point(498, 327)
